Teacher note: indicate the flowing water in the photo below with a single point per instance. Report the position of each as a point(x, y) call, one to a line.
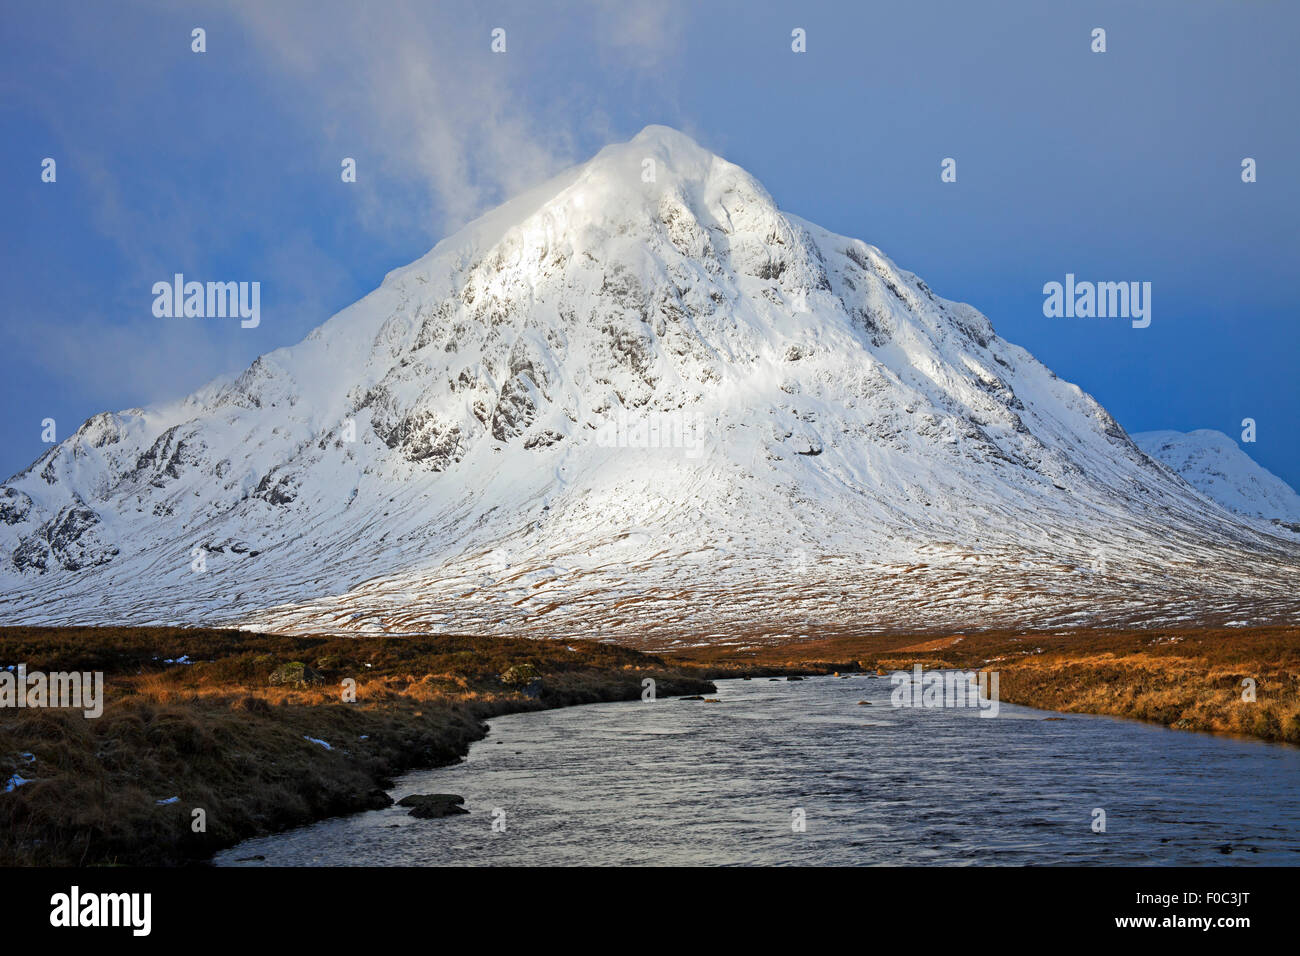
point(691, 782)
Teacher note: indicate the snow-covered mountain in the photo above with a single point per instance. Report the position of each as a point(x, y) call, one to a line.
point(1216, 466)
point(638, 402)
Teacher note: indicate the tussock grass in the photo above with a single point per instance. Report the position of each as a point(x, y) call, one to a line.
point(221, 736)
point(1188, 678)
point(218, 734)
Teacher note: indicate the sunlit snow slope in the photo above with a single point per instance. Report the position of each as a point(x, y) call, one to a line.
point(464, 450)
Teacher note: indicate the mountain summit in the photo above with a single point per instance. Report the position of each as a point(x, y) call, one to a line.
point(638, 402)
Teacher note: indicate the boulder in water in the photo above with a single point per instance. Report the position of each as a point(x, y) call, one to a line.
point(426, 806)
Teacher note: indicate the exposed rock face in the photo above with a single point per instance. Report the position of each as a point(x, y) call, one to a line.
point(14, 506)
point(643, 409)
point(70, 540)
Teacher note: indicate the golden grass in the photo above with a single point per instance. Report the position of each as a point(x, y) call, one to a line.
point(1190, 678)
point(224, 739)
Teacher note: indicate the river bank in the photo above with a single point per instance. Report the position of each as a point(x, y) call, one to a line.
point(824, 772)
point(1238, 681)
point(208, 737)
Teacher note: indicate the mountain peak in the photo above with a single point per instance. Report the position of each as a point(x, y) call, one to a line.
point(622, 188)
point(668, 139)
point(609, 407)
point(684, 158)
point(659, 160)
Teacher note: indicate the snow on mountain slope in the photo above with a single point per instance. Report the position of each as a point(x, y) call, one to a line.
point(1216, 466)
point(657, 411)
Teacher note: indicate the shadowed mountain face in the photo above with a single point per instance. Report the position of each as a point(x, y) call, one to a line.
point(638, 402)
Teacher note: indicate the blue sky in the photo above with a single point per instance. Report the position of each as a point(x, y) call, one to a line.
point(225, 165)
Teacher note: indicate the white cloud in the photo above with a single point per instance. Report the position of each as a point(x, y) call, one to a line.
point(412, 91)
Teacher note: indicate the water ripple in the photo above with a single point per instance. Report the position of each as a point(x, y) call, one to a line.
point(690, 782)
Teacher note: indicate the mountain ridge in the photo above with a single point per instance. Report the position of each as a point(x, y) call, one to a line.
point(430, 458)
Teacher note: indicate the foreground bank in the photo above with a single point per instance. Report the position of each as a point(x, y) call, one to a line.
point(208, 737)
point(824, 771)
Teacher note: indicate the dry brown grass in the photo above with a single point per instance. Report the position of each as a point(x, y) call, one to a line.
point(1189, 678)
point(219, 735)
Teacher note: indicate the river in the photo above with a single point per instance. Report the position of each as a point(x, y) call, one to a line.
point(691, 782)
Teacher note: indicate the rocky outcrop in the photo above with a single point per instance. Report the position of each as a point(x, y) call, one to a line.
point(71, 540)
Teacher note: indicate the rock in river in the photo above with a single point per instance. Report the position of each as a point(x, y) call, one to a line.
point(425, 806)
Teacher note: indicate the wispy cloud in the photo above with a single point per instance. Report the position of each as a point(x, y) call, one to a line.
point(225, 166)
point(411, 90)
